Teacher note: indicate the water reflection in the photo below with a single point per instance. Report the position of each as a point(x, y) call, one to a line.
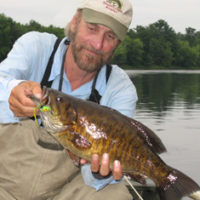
point(169, 104)
point(161, 91)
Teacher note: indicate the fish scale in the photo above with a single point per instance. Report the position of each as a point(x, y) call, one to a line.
point(86, 128)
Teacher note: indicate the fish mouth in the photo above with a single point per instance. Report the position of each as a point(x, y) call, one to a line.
point(45, 95)
point(40, 102)
point(49, 119)
point(51, 124)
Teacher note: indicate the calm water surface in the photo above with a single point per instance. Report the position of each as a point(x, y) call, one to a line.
point(169, 104)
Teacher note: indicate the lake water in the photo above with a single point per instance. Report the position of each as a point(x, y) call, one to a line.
point(169, 104)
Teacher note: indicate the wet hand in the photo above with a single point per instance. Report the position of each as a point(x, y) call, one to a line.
point(104, 168)
point(20, 103)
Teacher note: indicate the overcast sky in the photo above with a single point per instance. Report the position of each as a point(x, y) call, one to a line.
point(179, 14)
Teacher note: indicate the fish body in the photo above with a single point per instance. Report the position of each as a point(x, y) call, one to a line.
point(86, 128)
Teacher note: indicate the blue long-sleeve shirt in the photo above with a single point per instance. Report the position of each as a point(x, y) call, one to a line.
point(28, 60)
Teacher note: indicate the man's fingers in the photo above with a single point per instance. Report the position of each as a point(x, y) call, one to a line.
point(117, 170)
point(19, 109)
point(105, 165)
point(95, 163)
point(19, 100)
point(104, 168)
point(37, 92)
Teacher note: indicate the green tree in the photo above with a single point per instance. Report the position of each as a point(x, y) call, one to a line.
point(145, 35)
point(144, 47)
point(187, 56)
point(190, 36)
point(119, 56)
point(129, 52)
point(160, 44)
point(11, 30)
point(161, 52)
point(196, 50)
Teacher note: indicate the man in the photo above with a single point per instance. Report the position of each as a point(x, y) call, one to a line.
point(33, 166)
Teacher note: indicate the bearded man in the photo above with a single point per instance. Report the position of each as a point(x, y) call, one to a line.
point(34, 166)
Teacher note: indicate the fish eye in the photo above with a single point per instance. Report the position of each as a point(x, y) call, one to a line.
point(59, 99)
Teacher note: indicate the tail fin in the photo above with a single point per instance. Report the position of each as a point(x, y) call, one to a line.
point(178, 185)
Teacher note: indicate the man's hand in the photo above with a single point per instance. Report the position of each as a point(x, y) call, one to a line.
point(104, 168)
point(20, 103)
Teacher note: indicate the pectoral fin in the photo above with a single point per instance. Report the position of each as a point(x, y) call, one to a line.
point(81, 142)
point(69, 138)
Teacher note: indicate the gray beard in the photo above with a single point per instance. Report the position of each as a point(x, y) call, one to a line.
point(93, 63)
point(90, 64)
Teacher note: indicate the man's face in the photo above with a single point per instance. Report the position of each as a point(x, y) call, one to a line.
point(92, 45)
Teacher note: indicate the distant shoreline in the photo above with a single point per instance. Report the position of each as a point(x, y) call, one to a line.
point(181, 71)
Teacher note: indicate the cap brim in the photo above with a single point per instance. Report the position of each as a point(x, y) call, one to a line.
point(93, 16)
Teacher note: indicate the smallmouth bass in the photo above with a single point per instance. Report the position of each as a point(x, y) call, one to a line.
point(86, 128)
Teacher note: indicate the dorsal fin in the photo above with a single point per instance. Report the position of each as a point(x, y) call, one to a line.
point(150, 137)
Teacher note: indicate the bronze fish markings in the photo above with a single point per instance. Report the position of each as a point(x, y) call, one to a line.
point(86, 128)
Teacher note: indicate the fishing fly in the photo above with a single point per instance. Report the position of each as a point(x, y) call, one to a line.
point(43, 108)
point(46, 108)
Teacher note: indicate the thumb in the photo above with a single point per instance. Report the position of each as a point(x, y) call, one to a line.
point(37, 92)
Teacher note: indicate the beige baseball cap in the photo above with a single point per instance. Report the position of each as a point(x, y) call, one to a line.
point(115, 14)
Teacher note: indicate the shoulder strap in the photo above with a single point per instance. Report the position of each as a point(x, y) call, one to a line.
point(49, 66)
point(108, 71)
point(95, 96)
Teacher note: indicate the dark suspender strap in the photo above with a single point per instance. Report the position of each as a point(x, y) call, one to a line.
point(67, 42)
point(108, 71)
point(49, 66)
point(95, 96)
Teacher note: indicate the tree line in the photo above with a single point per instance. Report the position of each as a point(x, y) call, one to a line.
point(159, 46)
point(10, 31)
point(154, 46)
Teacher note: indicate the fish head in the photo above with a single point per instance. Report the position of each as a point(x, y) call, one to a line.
point(54, 110)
